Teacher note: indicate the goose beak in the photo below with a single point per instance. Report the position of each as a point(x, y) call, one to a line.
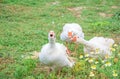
point(74, 39)
point(51, 34)
point(69, 34)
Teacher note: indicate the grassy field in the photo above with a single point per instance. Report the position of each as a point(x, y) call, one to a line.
point(24, 27)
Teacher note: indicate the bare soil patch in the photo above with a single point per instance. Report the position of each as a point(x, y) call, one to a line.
point(76, 11)
point(105, 14)
point(114, 7)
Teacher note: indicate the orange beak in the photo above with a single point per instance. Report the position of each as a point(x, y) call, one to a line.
point(74, 39)
point(70, 34)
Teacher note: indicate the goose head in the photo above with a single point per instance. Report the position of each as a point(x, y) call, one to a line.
point(51, 37)
point(77, 39)
point(74, 39)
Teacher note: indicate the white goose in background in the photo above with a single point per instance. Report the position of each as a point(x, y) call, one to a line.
point(69, 30)
point(54, 54)
point(97, 46)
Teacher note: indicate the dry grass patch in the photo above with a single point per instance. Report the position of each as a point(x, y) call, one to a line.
point(76, 11)
point(16, 9)
point(105, 14)
point(55, 3)
point(4, 62)
point(114, 7)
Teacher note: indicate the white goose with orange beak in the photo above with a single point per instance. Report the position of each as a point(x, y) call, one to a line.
point(54, 54)
point(70, 30)
point(96, 47)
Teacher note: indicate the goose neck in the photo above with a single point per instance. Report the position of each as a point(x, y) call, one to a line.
point(84, 42)
point(52, 42)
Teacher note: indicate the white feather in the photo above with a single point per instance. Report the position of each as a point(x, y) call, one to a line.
point(75, 28)
point(99, 45)
point(54, 54)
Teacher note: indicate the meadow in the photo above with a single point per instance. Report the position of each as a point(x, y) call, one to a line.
point(24, 27)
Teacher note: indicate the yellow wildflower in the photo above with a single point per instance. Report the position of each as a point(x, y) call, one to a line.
point(86, 55)
point(91, 74)
point(97, 51)
point(115, 45)
point(96, 62)
point(91, 52)
point(112, 49)
point(90, 60)
point(81, 56)
point(103, 61)
point(93, 67)
point(114, 73)
point(108, 64)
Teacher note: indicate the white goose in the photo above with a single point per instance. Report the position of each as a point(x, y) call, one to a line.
point(69, 30)
point(54, 54)
point(97, 46)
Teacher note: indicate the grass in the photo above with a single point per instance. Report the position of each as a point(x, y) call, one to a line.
point(24, 25)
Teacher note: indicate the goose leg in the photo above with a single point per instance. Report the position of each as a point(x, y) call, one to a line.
point(68, 51)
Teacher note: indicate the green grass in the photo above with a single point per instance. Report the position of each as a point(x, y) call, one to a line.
point(24, 26)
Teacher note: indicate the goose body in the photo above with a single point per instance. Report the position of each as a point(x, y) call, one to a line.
point(54, 54)
point(97, 46)
point(71, 27)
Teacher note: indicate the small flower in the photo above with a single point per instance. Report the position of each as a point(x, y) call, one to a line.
point(112, 49)
point(93, 67)
point(103, 61)
point(91, 74)
point(91, 52)
point(115, 45)
point(96, 62)
point(86, 55)
point(90, 60)
point(81, 56)
point(115, 74)
point(97, 51)
point(108, 64)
